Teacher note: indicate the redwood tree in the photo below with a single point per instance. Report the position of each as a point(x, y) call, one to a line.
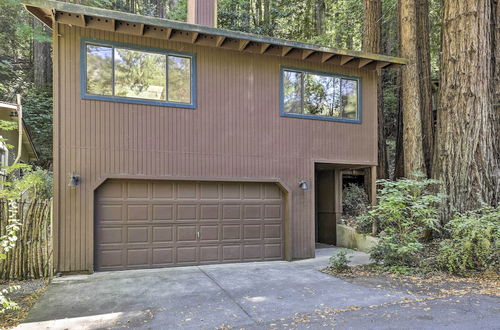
point(372, 44)
point(412, 124)
point(465, 160)
point(424, 67)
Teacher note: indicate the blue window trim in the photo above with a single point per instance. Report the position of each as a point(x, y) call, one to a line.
point(302, 116)
point(83, 75)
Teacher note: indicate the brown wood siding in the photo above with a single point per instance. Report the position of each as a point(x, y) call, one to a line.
point(235, 132)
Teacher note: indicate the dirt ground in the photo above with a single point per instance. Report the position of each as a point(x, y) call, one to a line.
point(431, 284)
point(25, 296)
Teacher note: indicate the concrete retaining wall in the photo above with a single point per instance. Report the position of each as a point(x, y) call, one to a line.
point(348, 237)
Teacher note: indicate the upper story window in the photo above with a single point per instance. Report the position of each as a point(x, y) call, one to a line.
point(315, 95)
point(137, 75)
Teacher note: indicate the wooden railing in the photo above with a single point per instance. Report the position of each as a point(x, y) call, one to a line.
point(32, 255)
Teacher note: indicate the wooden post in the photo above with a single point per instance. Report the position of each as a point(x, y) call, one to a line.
point(337, 190)
point(373, 194)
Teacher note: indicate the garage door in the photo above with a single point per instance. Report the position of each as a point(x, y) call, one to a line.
point(145, 224)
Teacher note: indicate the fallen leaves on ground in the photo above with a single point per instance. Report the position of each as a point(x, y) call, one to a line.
point(25, 297)
point(429, 284)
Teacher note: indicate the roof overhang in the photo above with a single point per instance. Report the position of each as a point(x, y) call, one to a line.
point(50, 12)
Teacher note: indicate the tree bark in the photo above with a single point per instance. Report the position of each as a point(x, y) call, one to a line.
point(424, 66)
point(372, 44)
point(412, 124)
point(464, 159)
point(42, 60)
point(495, 12)
point(399, 171)
point(320, 17)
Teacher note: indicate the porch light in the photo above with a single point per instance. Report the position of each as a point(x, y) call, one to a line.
point(303, 185)
point(74, 180)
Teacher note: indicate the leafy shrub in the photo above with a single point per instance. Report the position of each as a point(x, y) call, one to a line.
point(406, 213)
point(37, 184)
point(340, 261)
point(474, 241)
point(354, 200)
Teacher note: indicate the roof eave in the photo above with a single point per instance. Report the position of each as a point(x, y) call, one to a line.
point(49, 11)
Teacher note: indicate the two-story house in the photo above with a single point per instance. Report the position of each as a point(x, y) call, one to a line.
point(184, 144)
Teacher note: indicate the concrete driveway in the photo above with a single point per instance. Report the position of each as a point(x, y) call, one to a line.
point(238, 295)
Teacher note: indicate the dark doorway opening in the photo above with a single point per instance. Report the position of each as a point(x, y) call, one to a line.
point(330, 179)
point(326, 203)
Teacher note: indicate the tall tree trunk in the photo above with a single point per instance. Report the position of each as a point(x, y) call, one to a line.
point(42, 60)
point(495, 7)
point(464, 158)
point(399, 170)
point(412, 124)
point(424, 65)
point(372, 44)
point(267, 12)
point(320, 17)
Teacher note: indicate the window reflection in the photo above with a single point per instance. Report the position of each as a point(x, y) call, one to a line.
point(319, 95)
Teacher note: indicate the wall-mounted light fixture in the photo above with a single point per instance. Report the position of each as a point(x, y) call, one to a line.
point(74, 180)
point(303, 185)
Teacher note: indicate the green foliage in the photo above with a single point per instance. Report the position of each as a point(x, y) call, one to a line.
point(6, 303)
point(340, 261)
point(406, 213)
point(474, 240)
point(7, 126)
point(35, 184)
point(37, 109)
point(354, 200)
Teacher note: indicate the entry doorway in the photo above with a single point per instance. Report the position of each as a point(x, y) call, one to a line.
point(329, 182)
point(328, 203)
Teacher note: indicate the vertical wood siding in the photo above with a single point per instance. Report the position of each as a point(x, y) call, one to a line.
point(235, 132)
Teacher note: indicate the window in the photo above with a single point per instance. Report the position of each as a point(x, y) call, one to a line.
point(314, 95)
point(136, 75)
point(4, 155)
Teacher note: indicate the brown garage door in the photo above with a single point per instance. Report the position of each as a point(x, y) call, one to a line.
point(145, 224)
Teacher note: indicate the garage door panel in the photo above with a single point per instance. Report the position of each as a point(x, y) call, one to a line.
point(137, 189)
point(209, 212)
point(252, 232)
point(143, 224)
point(163, 190)
point(231, 253)
point(111, 190)
point(209, 254)
point(231, 212)
point(209, 233)
point(186, 190)
point(138, 257)
point(252, 190)
point(187, 254)
point(163, 234)
point(209, 191)
point(186, 233)
point(107, 212)
point(272, 251)
point(110, 235)
point(163, 256)
point(163, 212)
point(112, 258)
point(252, 212)
point(137, 212)
point(138, 235)
point(231, 190)
point(231, 232)
point(272, 231)
point(272, 212)
point(186, 212)
point(252, 252)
